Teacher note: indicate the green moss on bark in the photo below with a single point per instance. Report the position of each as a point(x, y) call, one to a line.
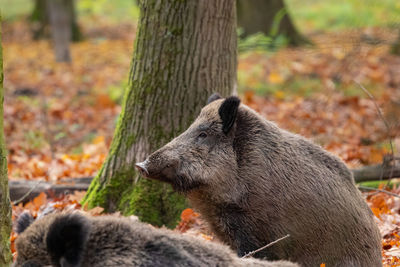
point(153, 202)
point(156, 203)
point(5, 206)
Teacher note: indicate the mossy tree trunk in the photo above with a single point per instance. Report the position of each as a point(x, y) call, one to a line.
point(40, 23)
point(5, 206)
point(269, 17)
point(184, 51)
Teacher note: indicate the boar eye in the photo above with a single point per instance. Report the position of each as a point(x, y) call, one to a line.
point(202, 135)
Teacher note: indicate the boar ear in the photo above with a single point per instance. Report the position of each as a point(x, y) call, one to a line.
point(67, 238)
point(23, 222)
point(213, 97)
point(227, 111)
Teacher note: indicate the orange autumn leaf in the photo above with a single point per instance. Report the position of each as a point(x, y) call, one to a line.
point(37, 202)
point(99, 139)
point(12, 240)
point(104, 101)
point(188, 215)
point(275, 78)
point(248, 97)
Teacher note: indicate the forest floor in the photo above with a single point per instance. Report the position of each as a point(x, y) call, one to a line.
point(59, 118)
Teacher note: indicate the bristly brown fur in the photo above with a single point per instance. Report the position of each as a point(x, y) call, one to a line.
point(111, 241)
point(257, 182)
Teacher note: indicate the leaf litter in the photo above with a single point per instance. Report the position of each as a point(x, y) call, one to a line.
point(59, 118)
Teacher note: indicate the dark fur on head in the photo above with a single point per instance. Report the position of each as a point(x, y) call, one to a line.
point(31, 264)
point(66, 239)
point(254, 183)
point(72, 240)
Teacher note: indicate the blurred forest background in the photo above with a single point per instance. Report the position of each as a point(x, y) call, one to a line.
point(324, 79)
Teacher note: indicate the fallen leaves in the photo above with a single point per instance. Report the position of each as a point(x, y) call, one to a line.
point(51, 110)
point(60, 118)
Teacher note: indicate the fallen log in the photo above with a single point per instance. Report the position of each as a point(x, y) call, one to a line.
point(376, 173)
point(28, 189)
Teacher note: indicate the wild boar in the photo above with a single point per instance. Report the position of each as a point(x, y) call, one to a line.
point(75, 240)
point(254, 183)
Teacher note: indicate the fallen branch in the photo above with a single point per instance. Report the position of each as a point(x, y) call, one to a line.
point(21, 199)
point(27, 189)
point(264, 247)
point(376, 173)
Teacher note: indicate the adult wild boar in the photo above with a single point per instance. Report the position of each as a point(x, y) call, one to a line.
point(254, 183)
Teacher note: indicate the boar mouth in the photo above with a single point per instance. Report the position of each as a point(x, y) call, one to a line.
point(142, 168)
point(180, 183)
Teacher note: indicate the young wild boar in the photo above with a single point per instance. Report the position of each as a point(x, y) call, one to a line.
point(74, 240)
point(254, 183)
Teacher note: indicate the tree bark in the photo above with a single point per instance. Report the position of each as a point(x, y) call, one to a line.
point(5, 206)
point(396, 45)
point(41, 25)
point(184, 51)
point(269, 17)
point(60, 21)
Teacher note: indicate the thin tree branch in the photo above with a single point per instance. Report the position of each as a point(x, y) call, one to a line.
point(264, 247)
point(16, 202)
point(386, 124)
point(379, 190)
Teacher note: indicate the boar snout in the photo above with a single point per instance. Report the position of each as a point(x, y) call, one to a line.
point(159, 166)
point(141, 166)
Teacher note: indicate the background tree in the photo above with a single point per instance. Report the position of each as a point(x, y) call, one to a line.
point(184, 51)
point(269, 17)
point(40, 23)
point(396, 45)
point(5, 206)
point(59, 12)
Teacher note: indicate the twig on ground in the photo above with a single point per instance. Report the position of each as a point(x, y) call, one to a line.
point(387, 128)
point(379, 190)
point(16, 202)
point(264, 247)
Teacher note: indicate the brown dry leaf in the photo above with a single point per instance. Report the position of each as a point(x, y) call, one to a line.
point(95, 211)
point(77, 196)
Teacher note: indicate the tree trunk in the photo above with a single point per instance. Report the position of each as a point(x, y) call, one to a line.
point(5, 206)
point(269, 17)
point(60, 21)
point(185, 50)
point(396, 46)
point(40, 26)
